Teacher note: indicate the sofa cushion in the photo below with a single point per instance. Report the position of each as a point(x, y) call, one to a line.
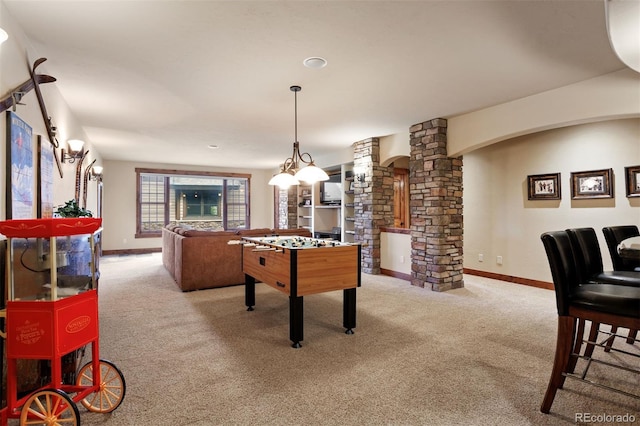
point(254, 232)
point(202, 233)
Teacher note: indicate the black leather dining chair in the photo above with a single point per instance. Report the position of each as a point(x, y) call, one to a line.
point(614, 235)
point(589, 260)
point(600, 303)
point(589, 269)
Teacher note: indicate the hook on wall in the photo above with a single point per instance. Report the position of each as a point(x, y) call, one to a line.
point(17, 97)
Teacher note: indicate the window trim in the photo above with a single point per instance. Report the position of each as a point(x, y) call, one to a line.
point(139, 171)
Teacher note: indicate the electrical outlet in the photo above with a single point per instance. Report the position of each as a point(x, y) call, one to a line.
point(481, 257)
point(499, 260)
point(401, 259)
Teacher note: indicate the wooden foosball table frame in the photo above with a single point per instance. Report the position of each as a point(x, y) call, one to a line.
point(301, 271)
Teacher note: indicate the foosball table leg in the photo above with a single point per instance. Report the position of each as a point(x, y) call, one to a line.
point(296, 320)
point(349, 310)
point(249, 292)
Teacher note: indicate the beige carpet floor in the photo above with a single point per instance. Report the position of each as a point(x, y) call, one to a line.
point(480, 355)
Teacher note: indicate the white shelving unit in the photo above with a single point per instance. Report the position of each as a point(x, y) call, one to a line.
point(326, 216)
point(347, 222)
point(318, 217)
point(305, 207)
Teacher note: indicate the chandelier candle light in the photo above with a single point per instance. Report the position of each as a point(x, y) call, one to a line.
point(291, 173)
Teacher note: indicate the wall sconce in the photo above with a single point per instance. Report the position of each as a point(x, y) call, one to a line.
point(76, 149)
point(360, 177)
point(96, 173)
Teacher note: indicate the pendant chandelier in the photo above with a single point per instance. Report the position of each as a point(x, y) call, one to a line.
point(298, 167)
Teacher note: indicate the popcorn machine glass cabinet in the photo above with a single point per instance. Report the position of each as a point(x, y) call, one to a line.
point(51, 268)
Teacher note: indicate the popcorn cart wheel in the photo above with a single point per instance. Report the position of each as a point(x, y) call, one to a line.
point(111, 389)
point(49, 407)
point(52, 311)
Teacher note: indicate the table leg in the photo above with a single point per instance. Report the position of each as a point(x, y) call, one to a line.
point(349, 310)
point(296, 321)
point(249, 292)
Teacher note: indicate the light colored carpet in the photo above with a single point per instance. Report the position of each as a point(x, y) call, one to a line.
point(480, 355)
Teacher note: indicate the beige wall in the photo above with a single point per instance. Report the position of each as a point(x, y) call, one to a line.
point(395, 252)
point(16, 58)
point(119, 208)
point(498, 218)
point(607, 97)
point(500, 221)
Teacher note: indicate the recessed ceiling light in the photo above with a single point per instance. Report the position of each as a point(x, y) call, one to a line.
point(212, 146)
point(315, 62)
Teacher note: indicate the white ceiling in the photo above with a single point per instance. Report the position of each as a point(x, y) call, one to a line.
point(159, 81)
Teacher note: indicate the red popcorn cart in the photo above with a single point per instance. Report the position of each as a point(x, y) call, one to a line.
point(51, 312)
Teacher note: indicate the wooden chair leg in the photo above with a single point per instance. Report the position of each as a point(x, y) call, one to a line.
point(633, 335)
point(577, 346)
point(593, 335)
point(609, 342)
point(564, 346)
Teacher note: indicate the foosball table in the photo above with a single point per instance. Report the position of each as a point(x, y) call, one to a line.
point(300, 266)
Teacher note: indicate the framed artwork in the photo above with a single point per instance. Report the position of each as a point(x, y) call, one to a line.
point(544, 187)
point(45, 178)
point(20, 169)
point(632, 179)
point(592, 184)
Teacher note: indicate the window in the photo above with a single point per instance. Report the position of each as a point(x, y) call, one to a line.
point(199, 200)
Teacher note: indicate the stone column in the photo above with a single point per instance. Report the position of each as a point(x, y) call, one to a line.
point(373, 201)
point(292, 207)
point(287, 204)
point(435, 187)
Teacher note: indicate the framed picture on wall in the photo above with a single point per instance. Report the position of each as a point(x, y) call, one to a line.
point(20, 169)
point(632, 179)
point(45, 178)
point(544, 187)
point(592, 184)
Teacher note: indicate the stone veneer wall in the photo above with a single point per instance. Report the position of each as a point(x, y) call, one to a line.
point(373, 201)
point(435, 188)
point(292, 207)
point(281, 199)
point(287, 205)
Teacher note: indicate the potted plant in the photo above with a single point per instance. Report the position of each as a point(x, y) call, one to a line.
point(72, 209)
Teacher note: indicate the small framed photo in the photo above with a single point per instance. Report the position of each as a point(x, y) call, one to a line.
point(544, 187)
point(592, 184)
point(352, 186)
point(632, 179)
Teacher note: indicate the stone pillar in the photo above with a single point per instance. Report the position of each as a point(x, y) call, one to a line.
point(287, 205)
point(435, 188)
point(292, 207)
point(373, 201)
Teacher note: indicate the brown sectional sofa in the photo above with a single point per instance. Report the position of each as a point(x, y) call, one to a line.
point(203, 259)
